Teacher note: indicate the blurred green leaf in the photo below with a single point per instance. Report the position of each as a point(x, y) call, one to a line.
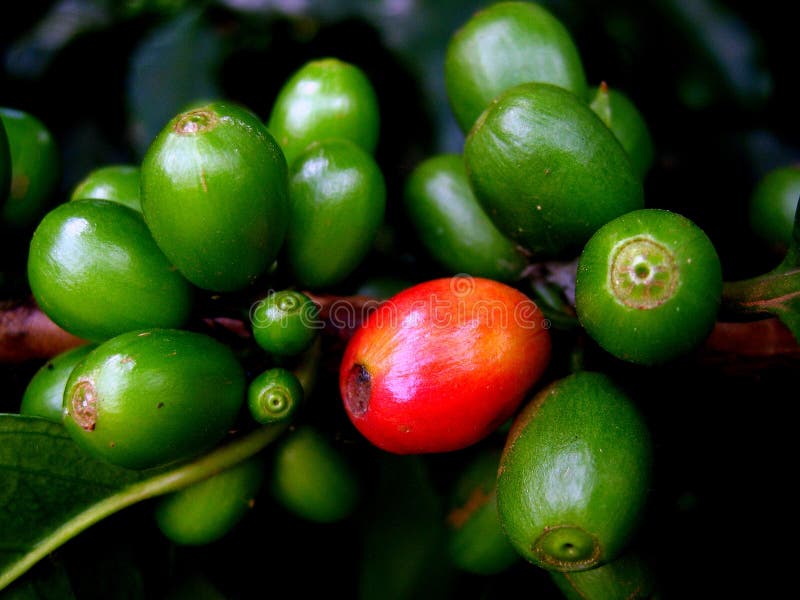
point(176, 65)
point(728, 60)
point(404, 537)
point(49, 581)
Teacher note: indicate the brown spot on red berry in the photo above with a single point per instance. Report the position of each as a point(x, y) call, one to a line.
point(358, 390)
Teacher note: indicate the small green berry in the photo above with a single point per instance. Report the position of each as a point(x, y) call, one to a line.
point(274, 396)
point(285, 323)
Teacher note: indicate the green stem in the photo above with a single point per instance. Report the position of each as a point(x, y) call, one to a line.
point(763, 294)
point(163, 483)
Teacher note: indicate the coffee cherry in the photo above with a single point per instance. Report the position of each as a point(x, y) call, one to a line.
point(44, 396)
point(442, 364)
point(338, 198)
point(95, 270)
point(475, 540)
point(773, 205)
point(285, 323)
point(312, 479)
point(215, 195)
point(148, 398)
point(648, 287)
point(118, 183)
point(452, 224)
point(622, 117)
point(547, 171)
point(575, 473)
point(204, 512)
point(326, 98)
point(35, 167)
point(274, 396)
point(625, 578)
point(504, 45)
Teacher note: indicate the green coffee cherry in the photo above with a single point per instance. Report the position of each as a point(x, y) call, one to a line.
point(547, 171)
point(204, 512)
point(35, 167)
point(215, 195)
point(274, 396)
point(773, 205)
point(648, 287)
point(626, 578)
point(326, 98)
point(502, 46)
point(475, 541)
point(5, 164)
point(285, 323)
point(452, 224)
point(44, 396)
point(148, 398)
point(574, 475)
point(311, 479)
point(118, 183)
point(95, 270)
point(338, 198)
point(622, 117)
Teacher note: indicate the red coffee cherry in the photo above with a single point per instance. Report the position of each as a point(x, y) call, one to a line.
point(440, 365)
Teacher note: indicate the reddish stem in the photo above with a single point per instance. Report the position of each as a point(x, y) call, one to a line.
point(26, 333)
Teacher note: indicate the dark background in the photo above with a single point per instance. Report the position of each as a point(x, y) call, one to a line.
point(717, 83)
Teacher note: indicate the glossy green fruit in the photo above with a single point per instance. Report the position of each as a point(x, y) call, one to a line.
point(648, 287)
point(547, 170)
point(285, 323)
point(338, 198)
point(274, 396)
point(5, 165)
point(574, 475)
point(44, 396)
point(215, 195)
point(475, 541)
point(149, 398)
point(452, 224)
point(773, 205)
point(326, 98)
point(95, 270)
point(311, 479)
point(118, 183)
point(204, 512)
point(505, 45)
point(620, 115)
point(626, 578)
point(35, 167)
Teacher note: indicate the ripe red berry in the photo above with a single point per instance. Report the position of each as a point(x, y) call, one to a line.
point(440, 365)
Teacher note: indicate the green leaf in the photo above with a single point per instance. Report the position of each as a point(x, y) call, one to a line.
point(50, 490)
